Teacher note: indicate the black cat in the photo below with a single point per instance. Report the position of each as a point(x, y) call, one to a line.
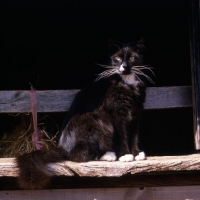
point(102, 123)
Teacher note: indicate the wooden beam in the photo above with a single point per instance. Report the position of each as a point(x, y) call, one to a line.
point(60, 100)
point(153, 193)
point(168, 97)
point(195, 63)
point(153, 165)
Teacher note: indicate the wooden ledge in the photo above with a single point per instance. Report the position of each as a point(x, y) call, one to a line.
point(153, 165)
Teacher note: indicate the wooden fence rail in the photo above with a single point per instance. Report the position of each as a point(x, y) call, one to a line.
point(60, 100)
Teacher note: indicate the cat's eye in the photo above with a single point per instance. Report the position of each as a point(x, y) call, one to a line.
point(132, 58)
point(117, 58)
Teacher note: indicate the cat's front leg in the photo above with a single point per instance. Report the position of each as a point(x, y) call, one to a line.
point(129, 146)
point(124, 153)
point(139, 155)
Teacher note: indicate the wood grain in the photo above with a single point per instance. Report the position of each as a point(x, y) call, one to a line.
point(60, 100)
point(153, 165)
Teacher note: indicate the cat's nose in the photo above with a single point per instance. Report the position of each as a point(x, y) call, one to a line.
point(124, 64)
point(126, 67)
point(122, 67)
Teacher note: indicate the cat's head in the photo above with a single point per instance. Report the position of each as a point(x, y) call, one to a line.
point(127, 62)
point(126, 56)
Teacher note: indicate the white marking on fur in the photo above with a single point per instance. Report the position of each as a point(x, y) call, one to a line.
point(129, 79)
point(121, 68)
point(126, 158)
point(109, 156)
point(140, 156)
point(67, 141)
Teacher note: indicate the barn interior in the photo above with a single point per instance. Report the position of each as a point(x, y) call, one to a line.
point(55, 45)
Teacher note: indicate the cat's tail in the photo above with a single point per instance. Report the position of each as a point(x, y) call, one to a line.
point(33, 167)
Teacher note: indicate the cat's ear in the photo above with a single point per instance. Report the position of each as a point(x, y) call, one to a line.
point(139, 47)
point(113, 46)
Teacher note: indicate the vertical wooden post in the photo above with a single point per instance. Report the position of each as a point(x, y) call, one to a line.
point(195, 64)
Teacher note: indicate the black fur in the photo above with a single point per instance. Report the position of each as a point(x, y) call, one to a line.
point(103, 117)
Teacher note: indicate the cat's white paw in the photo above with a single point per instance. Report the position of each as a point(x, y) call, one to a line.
point(126, 158)
point(109, 156)
point(140, 156)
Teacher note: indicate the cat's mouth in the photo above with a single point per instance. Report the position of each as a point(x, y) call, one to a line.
point(124, 70)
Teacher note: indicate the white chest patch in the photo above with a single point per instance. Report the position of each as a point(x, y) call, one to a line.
point(129, 79)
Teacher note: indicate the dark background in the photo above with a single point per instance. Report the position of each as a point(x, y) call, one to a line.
point(55, 45)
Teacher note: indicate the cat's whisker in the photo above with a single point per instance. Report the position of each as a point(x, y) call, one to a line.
point(110, 71)
point(139, 72)
point(107, 66)
point(106, 74)
point(144, 67)
point(110, 67)
point(147, 77)
point(141, 66)
point(137, 77)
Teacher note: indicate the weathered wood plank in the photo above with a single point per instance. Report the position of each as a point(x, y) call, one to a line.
point(195, 66)
point(153, 193)
point(48, 101)
point(168, 97)
point(60, 100)
point(152, 165)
